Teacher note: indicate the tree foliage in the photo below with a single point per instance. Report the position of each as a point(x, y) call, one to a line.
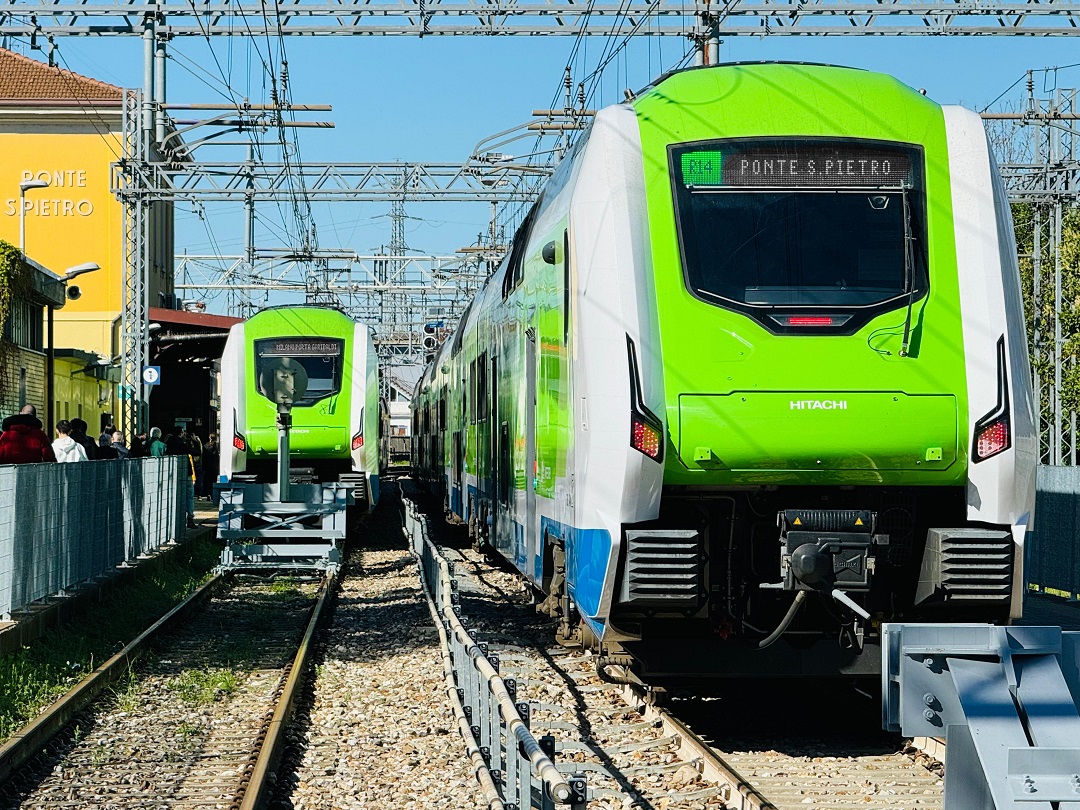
point(1040, 307)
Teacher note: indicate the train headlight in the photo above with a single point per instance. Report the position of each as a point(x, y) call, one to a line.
point(992, 439)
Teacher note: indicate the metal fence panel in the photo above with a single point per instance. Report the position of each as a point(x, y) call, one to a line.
point(1053, 562)
point(64, 524)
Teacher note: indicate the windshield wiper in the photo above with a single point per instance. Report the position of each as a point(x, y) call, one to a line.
point(909, 272)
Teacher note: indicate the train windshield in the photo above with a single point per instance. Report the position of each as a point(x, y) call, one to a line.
point(299, 370)
point(801, 226)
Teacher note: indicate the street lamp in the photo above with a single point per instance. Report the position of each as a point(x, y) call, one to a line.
point(24, 186)
point(50, 354)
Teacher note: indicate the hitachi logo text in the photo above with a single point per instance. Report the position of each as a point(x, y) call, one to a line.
point(819, 404)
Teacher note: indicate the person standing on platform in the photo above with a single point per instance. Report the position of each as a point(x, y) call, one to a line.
point(157, 446)
point(118, 445)
point(191, 494)
point(105, 450)
point(195, 446)
point(211, 458)
point(78, 433)
point(65, 447)
point(139, 447)
point(23, 441)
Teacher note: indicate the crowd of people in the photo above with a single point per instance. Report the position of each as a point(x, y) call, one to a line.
point(24, 441)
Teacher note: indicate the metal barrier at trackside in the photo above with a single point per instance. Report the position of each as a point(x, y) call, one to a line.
point(1053, 556)
point(514, 769)
point(65, 524)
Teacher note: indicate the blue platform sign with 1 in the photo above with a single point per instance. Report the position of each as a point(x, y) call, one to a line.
point(151, 375)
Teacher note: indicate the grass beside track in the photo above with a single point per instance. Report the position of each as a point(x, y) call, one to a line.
point(35, 676)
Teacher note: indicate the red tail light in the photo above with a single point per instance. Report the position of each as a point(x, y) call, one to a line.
point(357, 441)
point(807, 320)
point(239, 442)
point(645, 438)
point(992, 439)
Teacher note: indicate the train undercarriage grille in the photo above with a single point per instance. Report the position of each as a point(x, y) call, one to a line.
point(966, 565)
point(664, 568)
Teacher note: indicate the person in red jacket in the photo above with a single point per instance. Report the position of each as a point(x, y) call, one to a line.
point(23, 441)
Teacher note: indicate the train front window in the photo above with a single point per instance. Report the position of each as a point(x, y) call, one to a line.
point(783, 229)
point(300, 371)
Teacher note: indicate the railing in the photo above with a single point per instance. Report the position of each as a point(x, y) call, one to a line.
point(514, 769)
point(65, 524)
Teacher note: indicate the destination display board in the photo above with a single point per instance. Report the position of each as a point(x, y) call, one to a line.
point(299, 347)
point(793, 164)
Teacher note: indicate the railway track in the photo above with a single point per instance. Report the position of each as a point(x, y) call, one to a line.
point(190, 715)
point(806, 745)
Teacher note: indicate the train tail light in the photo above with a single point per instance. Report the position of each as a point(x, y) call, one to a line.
point(644, 437)
point(993, 433)
point(239, 442)
point(358, 441)
point(646, 429)
point(992, 438)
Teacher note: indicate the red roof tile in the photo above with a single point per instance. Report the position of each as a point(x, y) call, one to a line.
point(27, 80)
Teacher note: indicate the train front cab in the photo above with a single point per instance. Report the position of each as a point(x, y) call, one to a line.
point(870, 455)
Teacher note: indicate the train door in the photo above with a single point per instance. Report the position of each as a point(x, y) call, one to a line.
point(487, 453)
point(531, 532)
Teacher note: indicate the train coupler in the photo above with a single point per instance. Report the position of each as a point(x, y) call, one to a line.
point(829, 550)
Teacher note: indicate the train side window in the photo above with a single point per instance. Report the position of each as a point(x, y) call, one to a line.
point(481, 388)
point(515, 267)
point(566, 287)
point(442, 414)
point(473, 384)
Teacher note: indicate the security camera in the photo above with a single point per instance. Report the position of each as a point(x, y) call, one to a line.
point(73, 292)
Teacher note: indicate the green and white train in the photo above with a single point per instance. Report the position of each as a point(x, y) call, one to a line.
point(337, 431)
point(753, 378)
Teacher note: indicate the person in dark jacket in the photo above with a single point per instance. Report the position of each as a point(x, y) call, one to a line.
point(23, 441)
point(211, 458)
point(118, 445)
point(139, 447)
point(107, 434)
point(78, 433)
point(105, 450)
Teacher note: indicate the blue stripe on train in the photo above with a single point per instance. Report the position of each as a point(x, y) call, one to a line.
point(587, 555)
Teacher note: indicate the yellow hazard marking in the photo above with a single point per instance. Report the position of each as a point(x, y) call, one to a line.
point(858, 522)
point(797, 522)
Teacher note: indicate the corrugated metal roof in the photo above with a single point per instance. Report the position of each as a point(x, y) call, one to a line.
point(26, 80)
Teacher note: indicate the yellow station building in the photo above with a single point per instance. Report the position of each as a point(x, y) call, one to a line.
point(65, 129)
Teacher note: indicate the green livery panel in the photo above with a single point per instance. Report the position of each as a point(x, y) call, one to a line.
point(738, 355)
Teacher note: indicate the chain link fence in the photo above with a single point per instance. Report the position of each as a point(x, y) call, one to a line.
point(65, 524)
point(1052, 558)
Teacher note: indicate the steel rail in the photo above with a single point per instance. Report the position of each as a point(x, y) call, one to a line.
point(28, 741)
point(713, 767)
point(254, 793)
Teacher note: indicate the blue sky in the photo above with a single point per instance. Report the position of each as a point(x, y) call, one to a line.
point(433, 99)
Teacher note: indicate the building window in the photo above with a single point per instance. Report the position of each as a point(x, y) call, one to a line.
point(24, 326)
point(22, 386)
